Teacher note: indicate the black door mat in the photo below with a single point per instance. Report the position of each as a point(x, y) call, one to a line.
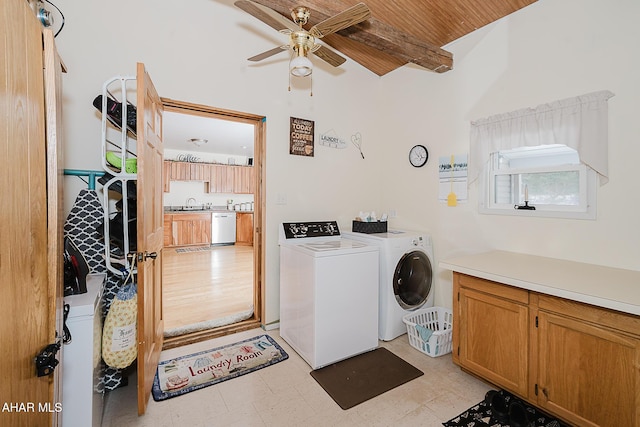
point(362, 377)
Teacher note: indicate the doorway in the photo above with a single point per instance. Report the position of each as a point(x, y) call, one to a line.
point(214, 262)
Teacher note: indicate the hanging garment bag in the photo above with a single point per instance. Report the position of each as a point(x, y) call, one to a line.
point(119, 335)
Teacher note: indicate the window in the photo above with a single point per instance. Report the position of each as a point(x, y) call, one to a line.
point(550, 178)
point(549, 156)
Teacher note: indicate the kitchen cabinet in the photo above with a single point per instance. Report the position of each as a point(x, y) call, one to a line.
point(220, 179)
point(189, 229)
point(168, 230)
point(576, 361)
point(180, 171)
point(166, 177)
point(244, 228)
point(243, 180)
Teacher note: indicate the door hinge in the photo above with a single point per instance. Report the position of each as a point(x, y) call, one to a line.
point(536, 389)
point(536, 321)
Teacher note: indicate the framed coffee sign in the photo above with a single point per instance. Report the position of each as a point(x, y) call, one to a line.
point(301, 137)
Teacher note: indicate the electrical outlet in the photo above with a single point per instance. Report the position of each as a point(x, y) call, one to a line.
point(392, 213)
point(281, 199)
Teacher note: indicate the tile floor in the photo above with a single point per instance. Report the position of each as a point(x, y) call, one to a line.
point(286, 395)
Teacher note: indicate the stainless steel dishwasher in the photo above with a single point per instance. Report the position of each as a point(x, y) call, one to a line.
point(223, 228)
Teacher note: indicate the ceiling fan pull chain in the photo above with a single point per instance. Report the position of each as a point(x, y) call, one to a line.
point(310, 90)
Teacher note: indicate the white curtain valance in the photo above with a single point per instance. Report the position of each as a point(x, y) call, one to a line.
point(579, 122)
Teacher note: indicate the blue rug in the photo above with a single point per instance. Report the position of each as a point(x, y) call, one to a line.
point(185, 374)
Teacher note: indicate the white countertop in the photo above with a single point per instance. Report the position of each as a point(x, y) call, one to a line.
point(607, 287)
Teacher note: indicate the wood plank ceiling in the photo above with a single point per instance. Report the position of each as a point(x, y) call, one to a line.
point(403, 31)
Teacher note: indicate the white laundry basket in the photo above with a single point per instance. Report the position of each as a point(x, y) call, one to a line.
point(430, 330)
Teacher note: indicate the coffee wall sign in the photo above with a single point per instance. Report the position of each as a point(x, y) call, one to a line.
point(301, 137)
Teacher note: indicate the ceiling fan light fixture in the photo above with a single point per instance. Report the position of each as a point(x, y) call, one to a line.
point(301, 66)
point(198, 141)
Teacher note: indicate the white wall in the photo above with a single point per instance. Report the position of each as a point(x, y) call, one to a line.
point(196, 52)
point(548, 51)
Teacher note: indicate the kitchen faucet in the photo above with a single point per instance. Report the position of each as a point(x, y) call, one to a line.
point(191, 200)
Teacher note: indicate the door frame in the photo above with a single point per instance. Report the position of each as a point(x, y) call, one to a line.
point(259, 142)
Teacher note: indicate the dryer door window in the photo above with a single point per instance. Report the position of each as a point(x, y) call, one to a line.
point(412, 280)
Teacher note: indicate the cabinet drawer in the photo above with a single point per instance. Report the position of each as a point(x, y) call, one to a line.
point(599, 316)
point(493, 288)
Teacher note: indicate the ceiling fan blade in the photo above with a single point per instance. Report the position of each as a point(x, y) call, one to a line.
point(353, 15)
point(329, 56)
point(268, 53)
point(266, 15)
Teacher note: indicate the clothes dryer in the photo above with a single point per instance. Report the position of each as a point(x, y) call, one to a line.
point(406, 276)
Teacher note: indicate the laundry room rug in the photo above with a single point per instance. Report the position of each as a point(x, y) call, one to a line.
point(365, 376)
point(185, 374)
point(480, 415)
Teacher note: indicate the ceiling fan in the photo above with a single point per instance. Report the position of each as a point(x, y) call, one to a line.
point(301, 41)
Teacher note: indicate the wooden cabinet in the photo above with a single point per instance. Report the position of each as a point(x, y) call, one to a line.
point(493, 332)
point(243, 180)
point(244, 228)
point(576, 361)
point(166, 176)
point(187, 229)
point(180, 171)
point(588, 363)
point(168, 230)
point(218, 178)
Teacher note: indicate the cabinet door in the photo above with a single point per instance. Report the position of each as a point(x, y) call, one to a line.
point(243, 180)
point(198, 172)
point(168, 235)
point(221, 179)
point(493, 339)
point(180, 231)
point(201, 229)
point(166, 176)
point(180, 171)
point(588, 374)
point(191, 229)
point(244, 228)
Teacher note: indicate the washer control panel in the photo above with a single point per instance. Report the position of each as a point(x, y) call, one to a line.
point(421, 241)
point(298, 230)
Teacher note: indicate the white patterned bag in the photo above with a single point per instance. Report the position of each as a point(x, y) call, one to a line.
point(119, 335)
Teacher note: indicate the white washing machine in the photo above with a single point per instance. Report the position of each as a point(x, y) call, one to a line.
point(406, 276)
point(328, 293)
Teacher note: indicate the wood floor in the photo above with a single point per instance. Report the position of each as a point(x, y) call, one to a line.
point(205, 285)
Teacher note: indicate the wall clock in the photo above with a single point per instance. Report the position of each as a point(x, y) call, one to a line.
point(418, 156)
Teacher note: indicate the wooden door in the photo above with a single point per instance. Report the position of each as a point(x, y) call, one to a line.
point(53, 69)
point(493, 338)
point(150, 233)
point(588, 374)
point(29, 295)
